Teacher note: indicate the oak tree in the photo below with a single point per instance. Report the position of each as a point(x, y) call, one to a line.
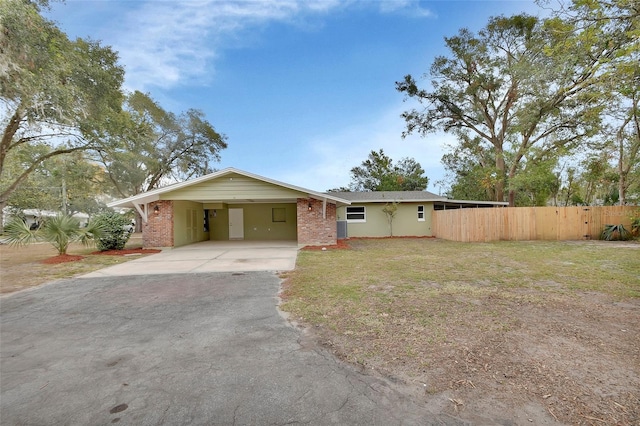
point(514, 86)
point(155, 147)
point(57, 95)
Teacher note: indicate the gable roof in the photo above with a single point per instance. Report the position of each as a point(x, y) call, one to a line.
point(154, 194)
point(389, 196)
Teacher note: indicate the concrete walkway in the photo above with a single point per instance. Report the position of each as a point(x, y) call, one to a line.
point(211, 256)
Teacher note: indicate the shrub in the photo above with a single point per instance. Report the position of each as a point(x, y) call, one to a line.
point(635, 226)
point(615, 233)
point(114, 233)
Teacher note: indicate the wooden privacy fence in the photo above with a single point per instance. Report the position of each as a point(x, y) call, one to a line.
point(529, 223)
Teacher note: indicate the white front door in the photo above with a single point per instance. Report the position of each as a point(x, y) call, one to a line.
point(236, 224)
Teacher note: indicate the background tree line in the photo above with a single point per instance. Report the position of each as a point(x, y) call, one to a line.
point(543, 110)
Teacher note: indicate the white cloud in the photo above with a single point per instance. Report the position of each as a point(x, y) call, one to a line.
point(169, 43)
point(331, 157)
point(406, 7)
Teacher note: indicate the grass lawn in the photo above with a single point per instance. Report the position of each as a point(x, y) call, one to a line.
point(21, 267)
point(536, 331)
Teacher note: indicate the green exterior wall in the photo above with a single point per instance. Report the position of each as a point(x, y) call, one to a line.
point(188, 223)
point(405, 222)
point(218, 221)
point(258, 224)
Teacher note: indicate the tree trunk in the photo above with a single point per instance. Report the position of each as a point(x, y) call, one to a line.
point(512, 198)
point(622, 175)
point(7, 137)
point(622, 189)
point(500, 166)
point(65, 203)
point(3, 204)
point(138, 222)
point(512, 192)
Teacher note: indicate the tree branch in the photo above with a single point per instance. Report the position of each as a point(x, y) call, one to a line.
point(36, 162)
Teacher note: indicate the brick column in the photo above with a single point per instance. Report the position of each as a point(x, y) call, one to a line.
point(158, 231)
point(313, 229)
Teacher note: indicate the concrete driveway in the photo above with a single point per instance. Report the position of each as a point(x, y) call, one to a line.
point(211, 256)
point(203, 349)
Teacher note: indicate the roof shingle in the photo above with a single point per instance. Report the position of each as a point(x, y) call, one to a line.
point(388, 196)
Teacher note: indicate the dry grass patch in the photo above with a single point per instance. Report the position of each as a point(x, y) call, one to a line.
point(22, 267)
point(509, 330)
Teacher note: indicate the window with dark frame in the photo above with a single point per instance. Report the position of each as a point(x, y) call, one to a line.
point(356, 213)
point(278, 214)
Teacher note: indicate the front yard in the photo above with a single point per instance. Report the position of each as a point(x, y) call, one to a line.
point(24, 267)
point(530, 332)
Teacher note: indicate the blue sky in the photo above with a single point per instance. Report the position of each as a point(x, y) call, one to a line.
point(303, 89)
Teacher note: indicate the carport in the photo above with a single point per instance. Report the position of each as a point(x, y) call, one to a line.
point(230, 205)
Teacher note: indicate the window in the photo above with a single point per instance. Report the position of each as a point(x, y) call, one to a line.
point(420, 213)
point(278, 214)
point(356, 214)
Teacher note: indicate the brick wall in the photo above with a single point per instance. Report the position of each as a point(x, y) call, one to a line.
point(158, 231)
point(313, 229)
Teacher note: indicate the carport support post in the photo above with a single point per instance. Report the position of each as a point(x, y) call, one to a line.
point(141, 212)
point(158, 230)
point(317, 223)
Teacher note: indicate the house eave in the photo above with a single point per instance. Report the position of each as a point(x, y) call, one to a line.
point(155, 194)
point(387, 200)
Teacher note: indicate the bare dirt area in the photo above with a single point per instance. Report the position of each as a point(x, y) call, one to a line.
point(36, 264)
point(566, 361)
point(547, 334)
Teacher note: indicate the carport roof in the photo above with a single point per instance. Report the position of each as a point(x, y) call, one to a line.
point(154, 195)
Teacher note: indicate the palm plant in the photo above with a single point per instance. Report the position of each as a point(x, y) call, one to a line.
point(615, 233)
point(635, 226)
point(59, 231)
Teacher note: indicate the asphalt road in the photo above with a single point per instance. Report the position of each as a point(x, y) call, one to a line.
point(178, 349)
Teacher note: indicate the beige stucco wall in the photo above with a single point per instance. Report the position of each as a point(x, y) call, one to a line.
point(405, 222)
point(188, 219)
point(258, 224)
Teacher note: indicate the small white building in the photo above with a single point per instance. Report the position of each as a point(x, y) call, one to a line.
point(34, 216)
